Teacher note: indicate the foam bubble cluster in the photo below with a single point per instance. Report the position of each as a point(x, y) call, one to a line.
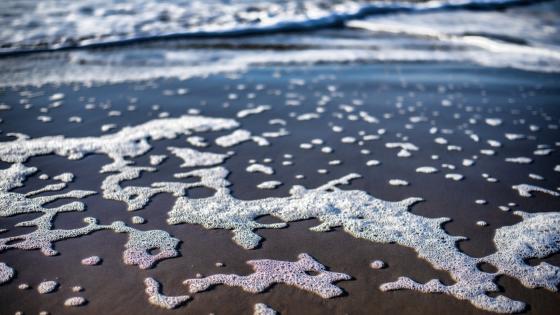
point(158, 299)
point(196, 158)
point(263, 309)
point(234, 138)
point(129, 142)
point(362, 216)
point(268, 272)
point(377, 264)
point(260, 169)
point(75, 301)
point(91, 261)
point(537, 236)
point(271, 184)
point(525, 190)
point(47, 287)
point(6, 273)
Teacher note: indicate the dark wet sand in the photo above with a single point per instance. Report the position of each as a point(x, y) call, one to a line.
point(114, 288)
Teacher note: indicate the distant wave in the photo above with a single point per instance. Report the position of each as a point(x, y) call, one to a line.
point(323, 19)
point(483, 42)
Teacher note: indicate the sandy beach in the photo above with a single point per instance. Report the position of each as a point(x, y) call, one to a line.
point(115, 288)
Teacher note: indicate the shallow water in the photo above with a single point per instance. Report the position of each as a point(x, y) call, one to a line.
point(93, 41)
point(448, 96)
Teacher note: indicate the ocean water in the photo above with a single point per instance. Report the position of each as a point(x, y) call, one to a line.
point(61, 41)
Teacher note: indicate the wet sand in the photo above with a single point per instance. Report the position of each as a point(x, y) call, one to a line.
point(114, 288)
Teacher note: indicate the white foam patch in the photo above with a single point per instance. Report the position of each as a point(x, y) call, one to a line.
point(11, 203)
point(373, 163)
point(520, 160)
point(454, 176)
point(362, 216)
point(6, 273)
point(535, 176)
point(129, 142)
point(260, 168)
point(197, 141)
point(263, 309)
point(234, 138)
point(398, 182)
point(537, 236)
point(377, 264)
point(525, 190)
point(426, 170)
point(252, 111)
point(494, 122)
point(47, 287)
point(75, 301)
point(91, 261)
point(156, 298)
point(468, 162)
point(64, 177)
point(268, 272)
point(137, 220)
point(514, 136)
point(542, 152)
point(405, 147)
point(192, 158)
point(271, 184)
point(157, 159)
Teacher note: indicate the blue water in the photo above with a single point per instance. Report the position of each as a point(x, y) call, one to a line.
point(182, 38)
